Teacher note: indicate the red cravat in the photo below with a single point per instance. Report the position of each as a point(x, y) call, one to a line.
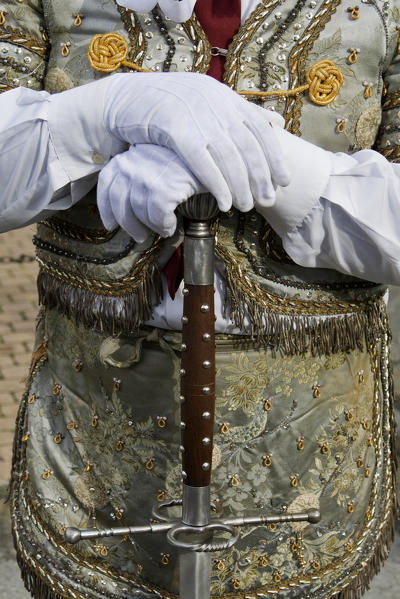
point(220, 20)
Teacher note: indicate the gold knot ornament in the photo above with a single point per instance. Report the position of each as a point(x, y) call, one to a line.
point(108, 52)
point(325, 81)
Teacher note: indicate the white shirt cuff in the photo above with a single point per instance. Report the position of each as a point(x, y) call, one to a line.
point(309, 167)
point(77, 131)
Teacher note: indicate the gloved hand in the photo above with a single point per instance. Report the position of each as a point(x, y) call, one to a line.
point(140, 189)
point(225, 141)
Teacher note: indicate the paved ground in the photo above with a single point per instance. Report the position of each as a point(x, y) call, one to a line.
point(17, 316)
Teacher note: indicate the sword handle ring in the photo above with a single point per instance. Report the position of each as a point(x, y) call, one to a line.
point(179, 529)
point(158, 509)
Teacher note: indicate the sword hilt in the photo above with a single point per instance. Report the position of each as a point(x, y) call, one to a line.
point(198, 344)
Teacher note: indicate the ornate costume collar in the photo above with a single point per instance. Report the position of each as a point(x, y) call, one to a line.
point(176, 10)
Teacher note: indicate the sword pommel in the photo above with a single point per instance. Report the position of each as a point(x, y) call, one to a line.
point(314, 516)
point(72, 535)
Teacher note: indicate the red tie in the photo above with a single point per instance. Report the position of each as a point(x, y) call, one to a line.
point(220, 20)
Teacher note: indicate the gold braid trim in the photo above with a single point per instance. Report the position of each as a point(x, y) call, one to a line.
point(20, 38)
point(392, 154)
point(113, 288)
point(297, 61)
point(284, 305)
point(232, 64)
point(73, 231)
point(135, 33)
point(391, 101)
point(202, 58)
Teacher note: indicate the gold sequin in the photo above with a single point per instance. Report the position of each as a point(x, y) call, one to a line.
point(294, 481)
point(370, 441)
point(354, 12)
point(361, 378)
point(224, 428)
point(359, 462)
point(236, 584)
point(78, 20)
point(220, 565)
point(72, 426)
point(300, 443)
point(58, 438)
point(65, 50)
point(348, 414)
point(350, 507)
point(277, 577)
point(119, 446)
point(95, 421)
point(119, 514)
point(267, 405)
point(349, 546)
point(150, 464)
point(78, 365)
point(103, 551)
point(46, 474)
point(32, 399)
point(316, 564)
point(161, 496)
point(62, 530)
point(368, 90)
point(3, 17)
point(267, 460)
point(234, 480)
point(161, 422)
point(263, 561)
point(316, 392)
point(56, 389)
point(365, 424)
point(325, 449)
point(353, 55)
point(272, 526)
point(165, 559)
point(367, 472)
point(340, 126)
point(26, 437)
point(88, 467)
point(116, 384)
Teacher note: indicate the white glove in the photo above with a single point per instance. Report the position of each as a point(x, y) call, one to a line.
point(225, 141)
point(140, 189)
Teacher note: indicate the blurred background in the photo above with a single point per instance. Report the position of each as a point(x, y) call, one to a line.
point(18, 308)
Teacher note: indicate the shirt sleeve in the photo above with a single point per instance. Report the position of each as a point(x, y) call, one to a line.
point(341, 211)
point(43, 169)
